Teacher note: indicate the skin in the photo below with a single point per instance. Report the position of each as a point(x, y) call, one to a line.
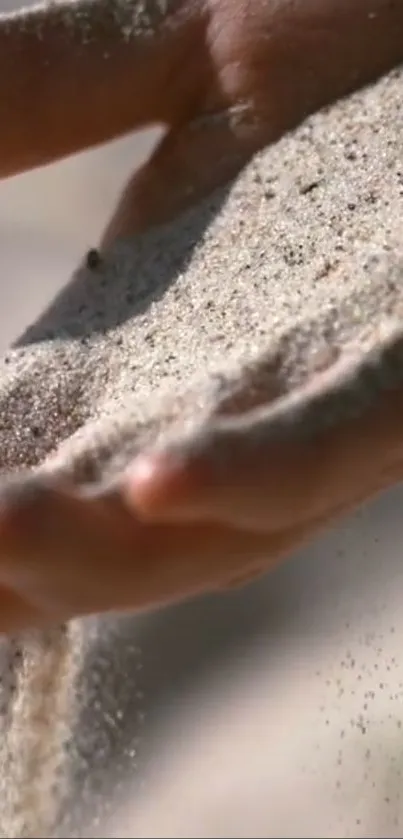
point(254, 69)
point(216, 511)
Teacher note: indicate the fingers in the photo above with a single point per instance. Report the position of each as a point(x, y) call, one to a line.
point(69, 562)
point(98, 69)
point(57, 547)
point(236, 473)
point(95, 70)
point(68, 554)
point(214, 513)
point(257, 84)
point(64, 555)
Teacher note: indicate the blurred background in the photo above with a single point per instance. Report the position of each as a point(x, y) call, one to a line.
point(273, 711)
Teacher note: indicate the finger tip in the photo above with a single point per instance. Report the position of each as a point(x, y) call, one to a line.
point(157, 484)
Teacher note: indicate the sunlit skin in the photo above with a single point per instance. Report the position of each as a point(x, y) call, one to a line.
point(185, 520)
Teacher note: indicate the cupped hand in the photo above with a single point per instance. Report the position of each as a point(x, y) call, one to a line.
point(220, 507)
point(212, 511)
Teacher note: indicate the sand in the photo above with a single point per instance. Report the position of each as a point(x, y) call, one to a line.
point(309, 235)
point(171, 322)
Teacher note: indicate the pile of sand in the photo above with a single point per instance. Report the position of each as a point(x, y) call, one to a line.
point(302, 254)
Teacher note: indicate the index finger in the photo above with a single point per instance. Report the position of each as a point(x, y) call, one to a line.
point(270, 469)
point(77, 74)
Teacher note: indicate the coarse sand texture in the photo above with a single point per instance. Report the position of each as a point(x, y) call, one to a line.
point(299, 259)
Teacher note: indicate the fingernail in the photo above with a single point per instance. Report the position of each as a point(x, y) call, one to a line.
point(155, 483)
point(147, 481)
point(144, 469)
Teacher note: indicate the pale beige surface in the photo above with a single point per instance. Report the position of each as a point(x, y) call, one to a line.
point(51, 217)
point(276, 711)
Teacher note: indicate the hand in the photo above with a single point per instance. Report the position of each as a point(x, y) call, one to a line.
point(210, 512)
point(226, 77)
point(218, 508)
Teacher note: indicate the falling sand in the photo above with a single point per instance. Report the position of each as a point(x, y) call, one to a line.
point(229, 306)
point(37, 727)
